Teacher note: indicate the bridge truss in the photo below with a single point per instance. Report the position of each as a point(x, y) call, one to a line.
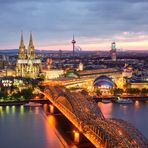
point(85, 115)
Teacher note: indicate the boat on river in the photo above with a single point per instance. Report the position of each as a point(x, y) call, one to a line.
point(123, 101)
point(33, 104)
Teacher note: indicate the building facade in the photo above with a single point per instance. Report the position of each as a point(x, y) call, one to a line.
point(27, 65)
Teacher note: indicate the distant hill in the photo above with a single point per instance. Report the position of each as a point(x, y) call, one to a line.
point(9, 51)
point(15, 51)
point(131, 52)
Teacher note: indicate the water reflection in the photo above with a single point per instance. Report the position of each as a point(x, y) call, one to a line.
point(45, 107)
point(33, 129)
point(124, 108)
point(52, 124)
point(106, 109)
point(51, 120)
point(136, 113)
point(37, 110)
point(13, 109)
point(1, 111)
point(136, 104)
point(7, 109)
point(22, 110)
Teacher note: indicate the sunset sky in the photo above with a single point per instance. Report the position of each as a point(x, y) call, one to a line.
point(95, 23)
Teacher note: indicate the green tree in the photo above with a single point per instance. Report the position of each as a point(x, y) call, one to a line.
point(98, 92)
point(27, 94)
point(133, 91)
point(2, 96)
point(117, 91)
point(144, 91)
point(16, 96)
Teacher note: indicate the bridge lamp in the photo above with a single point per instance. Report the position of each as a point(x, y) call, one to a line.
point(76, 136)
point(51, 108)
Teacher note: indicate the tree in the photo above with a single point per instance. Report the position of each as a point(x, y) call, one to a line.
point(27, 94)
point(133, 90)
point(2, 95)
point(98, 92)
point(117, 91)
point(16, 95)
point(144, 91)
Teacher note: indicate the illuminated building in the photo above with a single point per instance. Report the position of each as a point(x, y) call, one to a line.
point(72, 74)
point(113, 52)
point(53, 73)
point(127, 71)
point(27, 64)
point(81, 67)
point(104, 84)
point(139, 85)
point(49, 63)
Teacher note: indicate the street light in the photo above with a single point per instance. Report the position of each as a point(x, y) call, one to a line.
point(7, 83)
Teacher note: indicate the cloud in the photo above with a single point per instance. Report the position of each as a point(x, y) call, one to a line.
point(54, 21)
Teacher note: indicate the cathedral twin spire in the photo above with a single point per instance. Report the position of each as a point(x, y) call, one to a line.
point(22, 50)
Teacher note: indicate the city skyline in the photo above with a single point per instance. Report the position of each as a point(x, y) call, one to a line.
point(95, 24)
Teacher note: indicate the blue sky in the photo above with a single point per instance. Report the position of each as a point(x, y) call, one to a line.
point(95, 23)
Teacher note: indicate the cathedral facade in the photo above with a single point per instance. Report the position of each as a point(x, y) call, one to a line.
point(27, 65)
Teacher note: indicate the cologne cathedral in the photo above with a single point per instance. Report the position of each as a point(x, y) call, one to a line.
point(27, 64)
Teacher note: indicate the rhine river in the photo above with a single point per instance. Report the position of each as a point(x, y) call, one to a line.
point(27, 127)
point(32, 127)
point(136, 113)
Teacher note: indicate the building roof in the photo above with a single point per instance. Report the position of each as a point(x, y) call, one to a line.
point(103, 80)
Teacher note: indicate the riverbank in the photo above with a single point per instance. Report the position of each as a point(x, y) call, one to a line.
point(17, 103)
point(134, 98)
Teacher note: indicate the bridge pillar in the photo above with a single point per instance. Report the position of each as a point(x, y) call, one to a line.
point(76, 137)
point(51, 108)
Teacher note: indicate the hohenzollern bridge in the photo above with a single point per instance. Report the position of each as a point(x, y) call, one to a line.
point(82, 111)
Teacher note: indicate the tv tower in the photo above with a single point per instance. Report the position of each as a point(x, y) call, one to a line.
point(113, 52)
point(73, 43)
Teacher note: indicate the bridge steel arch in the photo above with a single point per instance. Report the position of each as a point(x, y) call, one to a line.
point(84, 114)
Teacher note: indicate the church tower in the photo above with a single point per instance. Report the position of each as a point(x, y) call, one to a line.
point(27, 65)
point(31, 54)
point(22, 50)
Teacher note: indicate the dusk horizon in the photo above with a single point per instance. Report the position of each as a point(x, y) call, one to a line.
point(96, 24)
point(74, 73)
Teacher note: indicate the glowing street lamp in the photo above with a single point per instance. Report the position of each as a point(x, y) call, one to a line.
point(51, 108)
point(76, 136)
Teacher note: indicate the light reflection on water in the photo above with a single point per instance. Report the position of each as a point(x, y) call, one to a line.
point(106, 109)
point(136, 104)
point(45, 107)
point(136, 113)
point(22, 109)
point(27, 127)
point(1, 111)
point(13, 109)
point(7, 109)
point(124, 108)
